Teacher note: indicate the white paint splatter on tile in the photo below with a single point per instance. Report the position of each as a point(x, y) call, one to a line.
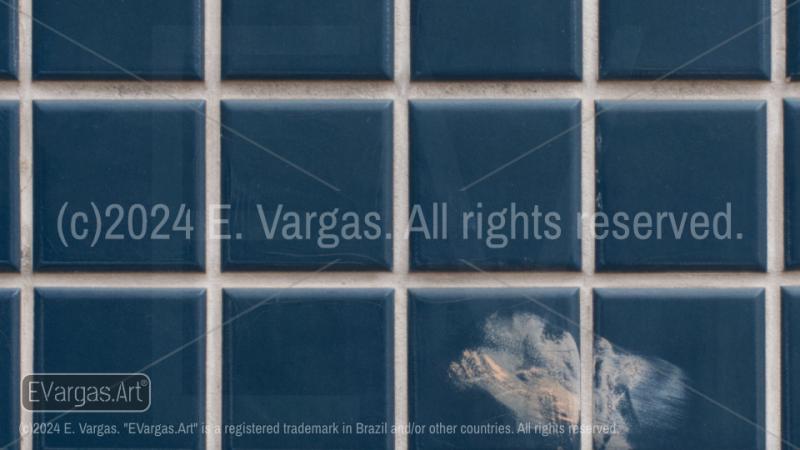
point(527, 367)
point(534, 371)
point(634, 394)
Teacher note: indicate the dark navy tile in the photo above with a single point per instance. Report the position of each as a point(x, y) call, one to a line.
point(503, 362)
point(486, 39)
point(685, 39)
point(9, 186)
point(679, 368)
point(158, 332)
point(793, 41)
point(118, 39)
point(308, 39)
point(790, 366)
point(305, 183)
point(8, 39)
point(791, 123)
point(681, 186)
point(9, 375)
point(304, 356)
point(119, 185)
point(525, 215)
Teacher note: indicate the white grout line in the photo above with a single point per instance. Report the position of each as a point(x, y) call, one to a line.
point(388, 279)
point(667, 89)
point(590, 28)
point(212, 56)
point(26, 204)
point(775, 233)
point(775, 267)
point(400, 177)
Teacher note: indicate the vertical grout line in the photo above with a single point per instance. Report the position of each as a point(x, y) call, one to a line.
point(586, 384)
point(400, 202)
point(212, 57)
point(27, 319)
point(773, 371)
point(588, 255)
point(401, 366)
point(590, 35)
point(775, 232)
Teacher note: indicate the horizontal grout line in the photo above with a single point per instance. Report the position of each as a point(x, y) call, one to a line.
point(367, 279)
point(638, 90)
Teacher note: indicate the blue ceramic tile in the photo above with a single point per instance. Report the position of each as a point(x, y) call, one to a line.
point(681, 186)
point(791, 123)
point(685, 39)
point(501, 365)
point(119, 185)
point(9, 376)
point(306, 183)
point(666, 360)
point(9, 186)
point(118, 39)
point(486, 39)
point(303, 356)
point(793, 41)
point(8, 39)
point(307, 39)
point(790, 334)
point(155, 332)
point(525, 215)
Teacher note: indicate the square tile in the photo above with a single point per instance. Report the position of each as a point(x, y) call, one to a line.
point(791, 154)
point(495, 184)
point(308, 39)
point(118, 39)
point(667, 359)
point(119, 185)
point(790, 335)
point(9, 376)
point(486, 39)
point(8, 40)
point(301, 356)
point(158, 332)
point(306, 183)
point(9, 186)
point(470, 348)
point(684, 39)
point(681, 186)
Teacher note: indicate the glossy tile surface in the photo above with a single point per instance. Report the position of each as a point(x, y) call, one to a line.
point(677, 355)
point(693, 171)
point(307, 183)
point(126, 331)
point(346, 39)
point(119, 185)
point(9, 186)
point(793, 42)
point(684, 39)
point(470, 348)
point(471, 207)
point(8, 40)
point(791, 173)
point(790, 335)
point(9, 376)
point(299, 356)
point(118, 39)
point(486, 39)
